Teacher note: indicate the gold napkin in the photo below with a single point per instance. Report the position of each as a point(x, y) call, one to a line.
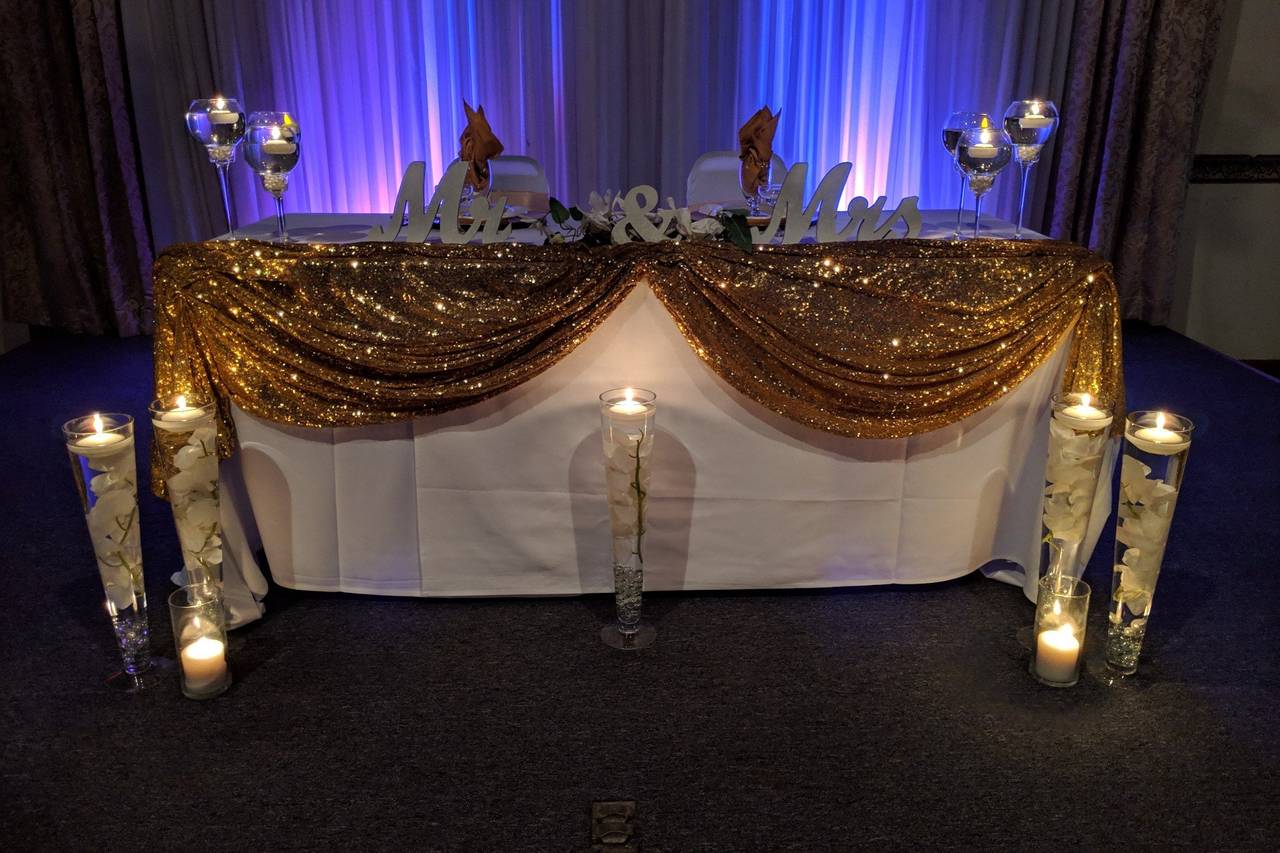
point(755, 141)
point(478, 147)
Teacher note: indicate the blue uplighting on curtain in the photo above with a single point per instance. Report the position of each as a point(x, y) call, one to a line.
point(610, 95)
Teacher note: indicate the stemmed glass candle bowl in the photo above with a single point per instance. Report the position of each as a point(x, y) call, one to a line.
point(218, 124)
point(273, 146)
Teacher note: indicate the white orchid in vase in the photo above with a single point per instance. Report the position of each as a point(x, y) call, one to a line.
point(193, 495)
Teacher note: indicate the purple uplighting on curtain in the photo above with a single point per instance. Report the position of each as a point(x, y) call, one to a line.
point(610, 95)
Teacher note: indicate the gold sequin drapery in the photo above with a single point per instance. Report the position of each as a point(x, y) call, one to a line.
point(869, 339)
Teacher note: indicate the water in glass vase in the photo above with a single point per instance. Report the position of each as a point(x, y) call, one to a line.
point(950, 139)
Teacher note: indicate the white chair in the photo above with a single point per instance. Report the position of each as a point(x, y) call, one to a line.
point(714, 178)
point(518, 175)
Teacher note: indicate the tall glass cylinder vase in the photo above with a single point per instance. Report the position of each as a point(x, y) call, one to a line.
point(104, 467)
point(1078, 431)
point(1155, 458)
point(186, 435)
point(627, 422)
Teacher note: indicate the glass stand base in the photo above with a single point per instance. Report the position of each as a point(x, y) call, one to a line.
point(642, 638)
point(123, 682)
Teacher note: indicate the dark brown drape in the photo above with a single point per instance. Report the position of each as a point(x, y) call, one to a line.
point(76, 254)
point(1136, 79)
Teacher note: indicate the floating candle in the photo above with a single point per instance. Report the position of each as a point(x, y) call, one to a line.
point(98, 442)
point(1084, 416)
point(1158, 439)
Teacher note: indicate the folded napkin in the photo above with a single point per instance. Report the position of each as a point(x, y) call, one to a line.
point(755, 141)
point(478, 146)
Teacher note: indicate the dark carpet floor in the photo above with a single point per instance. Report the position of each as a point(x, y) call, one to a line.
point(880, 718)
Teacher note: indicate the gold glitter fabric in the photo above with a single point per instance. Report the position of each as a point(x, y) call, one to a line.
point(868, 339)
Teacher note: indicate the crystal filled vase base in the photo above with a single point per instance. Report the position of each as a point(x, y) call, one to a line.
point(640, 637)
point(143, 678)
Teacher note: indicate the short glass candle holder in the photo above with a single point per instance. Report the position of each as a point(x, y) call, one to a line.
point(104, 467)
point(1062, 612)
point(626, 427)
point(1078, 431)
point(186, 436)
point(1156, 447)
point(200, 634)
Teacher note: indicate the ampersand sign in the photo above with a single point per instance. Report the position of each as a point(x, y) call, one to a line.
point(637, 214)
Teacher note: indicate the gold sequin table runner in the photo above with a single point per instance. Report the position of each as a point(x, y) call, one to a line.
point(866, 339)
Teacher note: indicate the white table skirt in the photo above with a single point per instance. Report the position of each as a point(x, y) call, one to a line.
point(507, 497)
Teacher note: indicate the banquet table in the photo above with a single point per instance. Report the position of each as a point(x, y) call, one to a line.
point(506, 497)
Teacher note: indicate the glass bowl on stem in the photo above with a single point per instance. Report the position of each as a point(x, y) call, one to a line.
point(218, 124)
point(957, 124)
point(1029, 125)
point(981, 154)
point(273, 145)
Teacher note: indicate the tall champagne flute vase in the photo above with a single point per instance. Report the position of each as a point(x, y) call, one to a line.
point(626, 426)
point(218, 124)
point(273, 146)
point(186, 434)
point(981, 154)
point(957, 124)
point(104, 467)
point(1078, 431)
point(1028, 124)
point(1155, 458)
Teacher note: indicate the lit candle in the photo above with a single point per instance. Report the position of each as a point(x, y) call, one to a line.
point(1084, 416)
point(984, 150)
point(1033, 120)
point(1057, 651)
point(1158, 439)
point(278, 145)
point(182, 418)
point(97, 443)
point(628, 405)
point(204, 664)
point(220, 114)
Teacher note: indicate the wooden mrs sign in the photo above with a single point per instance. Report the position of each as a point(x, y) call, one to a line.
point(641, 216)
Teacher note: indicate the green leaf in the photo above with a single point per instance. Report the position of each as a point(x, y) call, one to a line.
point(559, 212)
point(575, 214)
point(735, 226)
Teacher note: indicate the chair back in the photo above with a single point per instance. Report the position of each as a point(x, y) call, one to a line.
point(518, 175)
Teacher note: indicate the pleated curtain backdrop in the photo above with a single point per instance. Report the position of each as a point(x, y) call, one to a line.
point(606, 95)
point(610, 95)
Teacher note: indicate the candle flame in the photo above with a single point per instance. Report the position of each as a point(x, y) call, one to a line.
point(220, 103)
point(985, 136)
point(1065, 629)
point(984, 122)
point(182, 401)
point(97, 422)
point(1085, 399)
point(1159, 420)
point(630, 394)
point(1057, 608)
point(275, 132)
point(1035, 108)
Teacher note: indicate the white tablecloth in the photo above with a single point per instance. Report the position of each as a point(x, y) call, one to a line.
point(506, 497)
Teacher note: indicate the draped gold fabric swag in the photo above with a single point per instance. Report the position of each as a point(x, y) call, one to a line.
point(872, 339)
